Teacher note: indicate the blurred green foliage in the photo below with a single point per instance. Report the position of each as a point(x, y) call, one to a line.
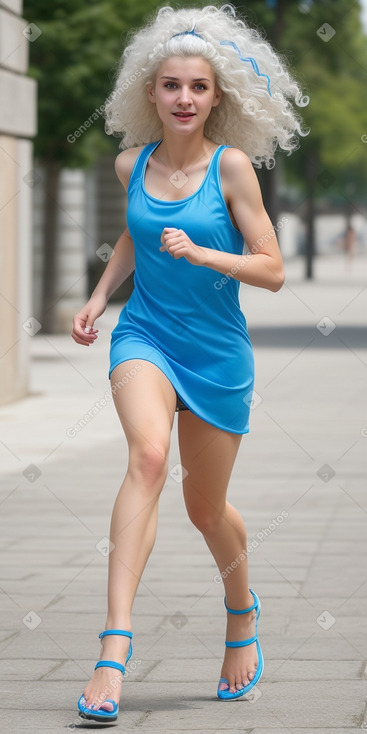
point(330, 64)
point(76, 56)
point(74, 61)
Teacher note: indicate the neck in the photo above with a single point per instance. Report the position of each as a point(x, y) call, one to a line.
point(181, 152)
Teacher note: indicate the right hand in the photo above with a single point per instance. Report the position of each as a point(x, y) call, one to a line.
point(86, 318)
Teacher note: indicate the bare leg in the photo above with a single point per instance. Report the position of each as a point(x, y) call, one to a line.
point(145, 405)
point(208, 455)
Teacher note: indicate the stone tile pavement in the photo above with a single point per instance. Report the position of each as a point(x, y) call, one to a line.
point(305, 457)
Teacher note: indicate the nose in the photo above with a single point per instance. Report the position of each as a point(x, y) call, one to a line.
point(185, 96)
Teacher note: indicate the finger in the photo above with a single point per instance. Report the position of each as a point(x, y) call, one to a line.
point(78, 340)
point(87, 331)
point(82, 336)
point(173, 239)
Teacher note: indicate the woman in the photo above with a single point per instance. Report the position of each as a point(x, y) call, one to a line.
point(200, 97)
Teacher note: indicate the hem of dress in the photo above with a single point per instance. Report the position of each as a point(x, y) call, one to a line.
point(221, 428)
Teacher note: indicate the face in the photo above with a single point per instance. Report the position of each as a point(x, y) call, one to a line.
point(184, 92)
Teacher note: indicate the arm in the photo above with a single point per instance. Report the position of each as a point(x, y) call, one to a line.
point(263, 266)
point(120, 265)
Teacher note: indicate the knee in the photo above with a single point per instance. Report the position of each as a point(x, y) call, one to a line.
point(205, 518)
point(148, 462)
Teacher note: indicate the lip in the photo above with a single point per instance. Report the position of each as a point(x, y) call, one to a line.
point(184, 115)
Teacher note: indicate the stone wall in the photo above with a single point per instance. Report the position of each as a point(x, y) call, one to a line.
point(17, 127)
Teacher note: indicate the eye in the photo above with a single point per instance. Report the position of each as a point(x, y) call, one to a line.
point(170, 85)
point(201, 86)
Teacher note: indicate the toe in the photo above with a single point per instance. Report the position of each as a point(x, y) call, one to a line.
point(107, 705)
point(223, 685)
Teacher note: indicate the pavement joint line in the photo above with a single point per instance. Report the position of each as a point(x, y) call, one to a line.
point(292, 653)
point(156, 641)
point(57, 666)
point(9, 640)
point(67, 657)
point(56, 596)
point(141, 679)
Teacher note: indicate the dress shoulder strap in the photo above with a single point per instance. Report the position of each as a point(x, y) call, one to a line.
point(140, 162)
point(215, 168)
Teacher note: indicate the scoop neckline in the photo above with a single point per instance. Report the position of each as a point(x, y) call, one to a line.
point(173, 201)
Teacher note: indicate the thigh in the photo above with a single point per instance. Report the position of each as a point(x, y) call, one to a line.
point(207, 455)
point(145, 401)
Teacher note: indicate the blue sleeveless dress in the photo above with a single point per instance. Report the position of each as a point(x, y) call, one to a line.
point(186, 319)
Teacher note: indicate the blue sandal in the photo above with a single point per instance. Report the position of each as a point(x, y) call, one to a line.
point(102, 714)
point(225, 695)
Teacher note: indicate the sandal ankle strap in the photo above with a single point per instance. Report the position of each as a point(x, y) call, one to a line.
point(241, 643)
point(241, 611)
point(125, 633)
point(110, 664)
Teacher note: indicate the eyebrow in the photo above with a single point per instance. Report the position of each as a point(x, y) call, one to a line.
point(176, 79)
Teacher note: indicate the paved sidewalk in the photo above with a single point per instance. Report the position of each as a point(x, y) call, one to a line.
point(305, 457)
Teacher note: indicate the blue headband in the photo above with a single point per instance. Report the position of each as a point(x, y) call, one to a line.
point(191, 33)
point(230, 43)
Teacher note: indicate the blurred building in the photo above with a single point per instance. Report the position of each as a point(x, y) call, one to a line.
point(91, 213)
point(17, 128)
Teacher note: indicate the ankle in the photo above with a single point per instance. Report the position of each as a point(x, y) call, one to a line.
point(238, 604)
point(118, 624)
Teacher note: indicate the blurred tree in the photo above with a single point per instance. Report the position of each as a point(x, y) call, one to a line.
point(326, 48)
point(330, 51)
point(73, 60)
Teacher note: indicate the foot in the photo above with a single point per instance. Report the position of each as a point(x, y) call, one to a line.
point(240, 663)
point(107, 682)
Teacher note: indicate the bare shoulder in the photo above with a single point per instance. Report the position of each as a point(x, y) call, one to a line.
point(124, 164)
point(236, 164)
point(239, 180)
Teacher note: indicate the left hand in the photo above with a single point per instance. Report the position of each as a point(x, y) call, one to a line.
point(178, 244)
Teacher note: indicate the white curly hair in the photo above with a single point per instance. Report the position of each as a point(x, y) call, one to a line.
point(247, 117)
